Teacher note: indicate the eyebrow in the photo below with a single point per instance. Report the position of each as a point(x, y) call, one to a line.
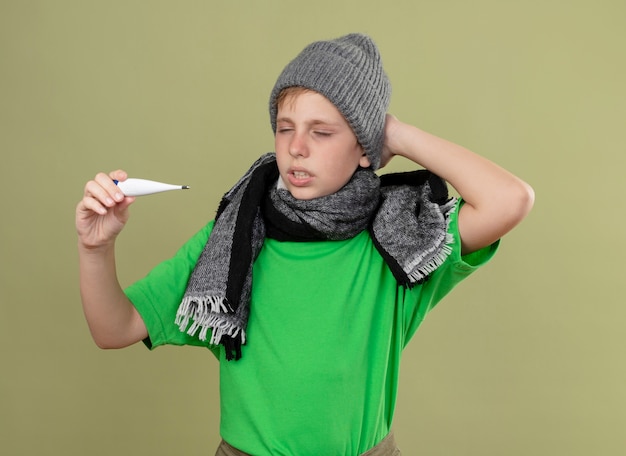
point(313, 122)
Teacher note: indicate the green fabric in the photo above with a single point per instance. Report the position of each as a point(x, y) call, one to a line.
point(328, 323)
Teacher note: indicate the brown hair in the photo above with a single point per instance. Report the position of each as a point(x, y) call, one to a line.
point(289, 94)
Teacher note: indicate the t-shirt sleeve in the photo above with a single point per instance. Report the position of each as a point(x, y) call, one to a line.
point(419, 300)
point(158, 295)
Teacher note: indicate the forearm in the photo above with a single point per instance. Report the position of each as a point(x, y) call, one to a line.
point(495, 199)
point(112, 319)
point(477, 179)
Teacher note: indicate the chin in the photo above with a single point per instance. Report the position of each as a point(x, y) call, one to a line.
point(302, 195)
point(306, 194)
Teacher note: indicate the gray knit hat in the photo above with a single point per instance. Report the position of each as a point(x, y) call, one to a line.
point(349, 72)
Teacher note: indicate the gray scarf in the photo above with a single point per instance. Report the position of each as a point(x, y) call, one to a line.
point(406, 214)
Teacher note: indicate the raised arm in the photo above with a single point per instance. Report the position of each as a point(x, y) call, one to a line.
point(495, 200)
point(100, 216)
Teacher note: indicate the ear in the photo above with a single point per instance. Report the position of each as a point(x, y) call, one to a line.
point(364, 161)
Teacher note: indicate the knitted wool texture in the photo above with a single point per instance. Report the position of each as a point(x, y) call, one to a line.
point(349, 72)
point(407, 215)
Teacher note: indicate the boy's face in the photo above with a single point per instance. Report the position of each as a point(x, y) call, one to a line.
point(316, 150)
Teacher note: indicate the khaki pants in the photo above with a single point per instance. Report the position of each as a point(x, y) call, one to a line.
point(387, 447)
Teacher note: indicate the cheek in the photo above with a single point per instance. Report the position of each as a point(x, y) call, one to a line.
point(281, 147)
point(277, 142)
point(343, 173)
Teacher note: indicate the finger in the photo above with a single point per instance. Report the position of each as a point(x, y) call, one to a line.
point(119, 175)
point(108, 185)
point(88, 205)
point(93, 189)
point(125, 203)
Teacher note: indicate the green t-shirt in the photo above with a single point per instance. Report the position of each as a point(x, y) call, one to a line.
point(327, 325)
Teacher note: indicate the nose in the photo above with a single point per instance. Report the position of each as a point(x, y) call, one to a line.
point(298, 145)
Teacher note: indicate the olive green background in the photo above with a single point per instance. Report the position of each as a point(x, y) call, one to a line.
point(527, 357)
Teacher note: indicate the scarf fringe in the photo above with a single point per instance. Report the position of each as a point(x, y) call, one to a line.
point(426, 269)
point(255, 209)
point(210, 312)
point(423, 270)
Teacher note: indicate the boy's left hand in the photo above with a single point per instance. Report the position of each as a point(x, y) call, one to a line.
point(392, 125)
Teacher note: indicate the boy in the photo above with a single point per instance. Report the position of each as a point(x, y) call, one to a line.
point(315, 273)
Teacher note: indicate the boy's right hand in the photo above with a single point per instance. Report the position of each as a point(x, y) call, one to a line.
point(103, 212)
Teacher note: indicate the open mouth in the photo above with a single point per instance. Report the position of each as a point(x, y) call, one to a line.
point(301, 175)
